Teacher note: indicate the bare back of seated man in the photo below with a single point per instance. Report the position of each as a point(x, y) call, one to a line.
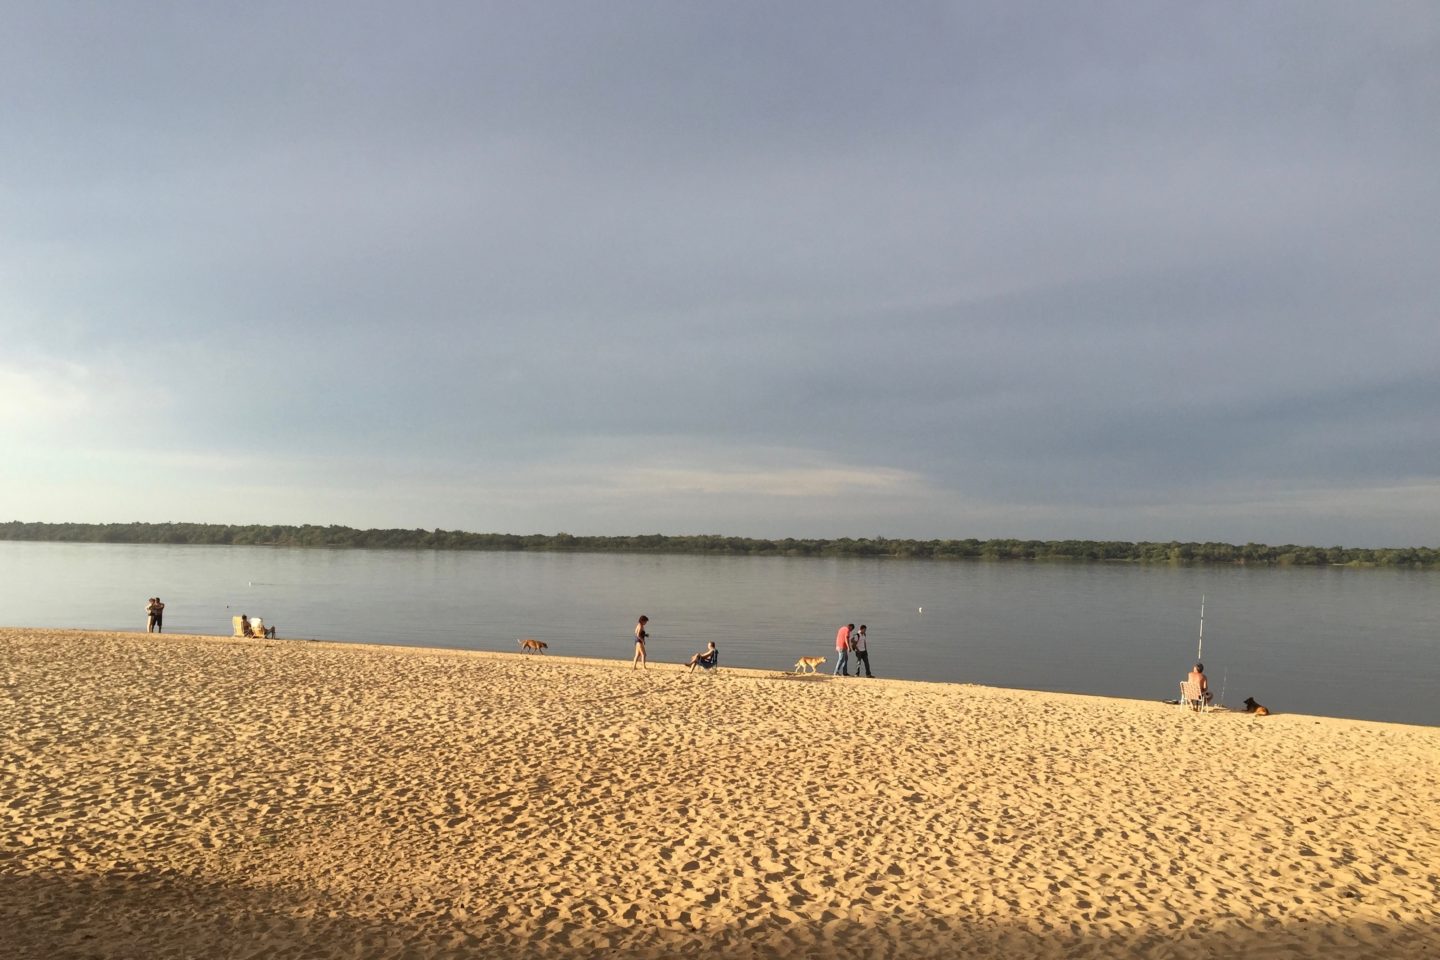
point(1197, 676)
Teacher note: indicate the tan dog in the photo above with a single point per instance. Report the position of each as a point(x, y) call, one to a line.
point(530, 645)
point(808, 662)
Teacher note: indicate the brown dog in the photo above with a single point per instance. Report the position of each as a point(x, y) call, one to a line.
point(808, 662)
point(530, 645)
point(1252, 707)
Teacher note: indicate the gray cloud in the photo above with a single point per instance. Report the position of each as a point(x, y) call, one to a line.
point(1059, 266)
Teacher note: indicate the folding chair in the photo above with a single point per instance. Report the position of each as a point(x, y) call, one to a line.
point(707, 664)
point(1191, 698)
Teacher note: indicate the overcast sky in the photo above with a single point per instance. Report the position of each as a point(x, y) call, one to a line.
point(1115, 271)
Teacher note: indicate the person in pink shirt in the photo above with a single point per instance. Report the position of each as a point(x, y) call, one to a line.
point(842, 650)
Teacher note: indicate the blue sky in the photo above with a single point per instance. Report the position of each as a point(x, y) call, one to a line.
point(1116, 271)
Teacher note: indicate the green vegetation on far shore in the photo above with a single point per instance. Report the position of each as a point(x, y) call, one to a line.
point(1073, 550)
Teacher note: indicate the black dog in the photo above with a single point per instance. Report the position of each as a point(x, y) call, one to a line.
point(1252, 707)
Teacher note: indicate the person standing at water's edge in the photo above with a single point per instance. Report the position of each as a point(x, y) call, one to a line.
point(862, 653)
point(640, 638)
point(842, 650)
point(154, 616)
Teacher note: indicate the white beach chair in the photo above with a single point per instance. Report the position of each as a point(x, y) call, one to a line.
point(1191, 698)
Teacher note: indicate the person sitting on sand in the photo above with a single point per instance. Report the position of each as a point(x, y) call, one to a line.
point(1197, 677)
point(705, 660)
point(245, 630)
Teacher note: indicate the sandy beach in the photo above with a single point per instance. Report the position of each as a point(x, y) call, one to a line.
point(180, 796)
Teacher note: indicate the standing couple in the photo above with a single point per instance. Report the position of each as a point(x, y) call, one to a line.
point(847, 641)
point(154, 615)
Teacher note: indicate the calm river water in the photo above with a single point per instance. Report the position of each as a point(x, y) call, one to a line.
point(1350, 643)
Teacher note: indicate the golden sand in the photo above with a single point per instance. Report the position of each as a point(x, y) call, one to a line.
point(172, 796)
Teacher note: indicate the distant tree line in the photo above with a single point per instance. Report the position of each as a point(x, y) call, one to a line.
point(1116, 551)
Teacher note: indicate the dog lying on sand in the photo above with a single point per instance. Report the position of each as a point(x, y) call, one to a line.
point(808, 662)
point(531, 645)
point(1252, 707)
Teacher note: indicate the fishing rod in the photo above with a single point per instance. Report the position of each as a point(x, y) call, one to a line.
point(1201, 648)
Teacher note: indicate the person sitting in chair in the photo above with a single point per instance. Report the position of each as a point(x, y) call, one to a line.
point(706, 660)
point(1197, 677)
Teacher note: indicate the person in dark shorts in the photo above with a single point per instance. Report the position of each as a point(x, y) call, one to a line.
point(159, 616)
point(640, 637)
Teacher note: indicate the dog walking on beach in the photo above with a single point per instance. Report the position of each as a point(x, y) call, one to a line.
point(808, 663)
point(530, 645)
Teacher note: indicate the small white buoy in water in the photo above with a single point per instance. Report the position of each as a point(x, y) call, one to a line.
point(921, 609)
point(252, 583)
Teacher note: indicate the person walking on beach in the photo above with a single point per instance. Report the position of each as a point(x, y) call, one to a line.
point(862, 653)
point(842, 650)
point(640, 638)
point(159, 616)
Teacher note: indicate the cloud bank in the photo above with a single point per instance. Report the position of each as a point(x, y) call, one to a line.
point(796, 270)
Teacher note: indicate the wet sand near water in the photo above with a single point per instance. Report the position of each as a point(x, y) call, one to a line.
point(178, 796)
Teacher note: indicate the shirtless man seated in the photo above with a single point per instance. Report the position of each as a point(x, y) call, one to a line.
point(1197, 677)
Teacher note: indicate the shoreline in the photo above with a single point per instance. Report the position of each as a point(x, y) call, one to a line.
point(664, 666)
point(175, 795)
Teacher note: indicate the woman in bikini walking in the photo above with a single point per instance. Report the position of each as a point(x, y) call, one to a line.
point(640, 636)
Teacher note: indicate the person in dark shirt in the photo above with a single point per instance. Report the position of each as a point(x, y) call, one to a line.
point(862, 653)
point(706, 660)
